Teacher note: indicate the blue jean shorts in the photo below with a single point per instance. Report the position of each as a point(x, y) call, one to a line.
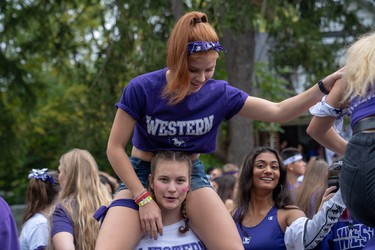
point(142, 169)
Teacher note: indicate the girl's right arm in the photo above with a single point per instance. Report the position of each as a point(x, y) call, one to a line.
point(120, 135)
point(320, 128)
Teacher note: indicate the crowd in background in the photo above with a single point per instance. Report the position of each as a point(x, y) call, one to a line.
point(273, 200)
point(60, 203)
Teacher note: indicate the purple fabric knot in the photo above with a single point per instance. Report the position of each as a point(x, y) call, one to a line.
point(200, 46)
point(100, 214)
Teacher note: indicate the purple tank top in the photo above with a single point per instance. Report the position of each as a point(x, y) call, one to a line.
point(267, 235)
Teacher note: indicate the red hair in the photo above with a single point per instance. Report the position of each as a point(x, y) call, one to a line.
point(191, 27)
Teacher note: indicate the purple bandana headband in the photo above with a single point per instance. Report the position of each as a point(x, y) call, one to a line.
point(41, 174)
point(200, 46)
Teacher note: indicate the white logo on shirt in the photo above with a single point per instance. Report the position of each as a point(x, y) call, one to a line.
point(159, 127)
point(177, 142)
point(270, 218)
point(246, 240)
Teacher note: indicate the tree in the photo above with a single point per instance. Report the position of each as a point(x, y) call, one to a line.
point(296, 36)
point(64, 64)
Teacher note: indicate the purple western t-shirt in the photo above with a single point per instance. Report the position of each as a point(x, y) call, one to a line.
point(190, 126)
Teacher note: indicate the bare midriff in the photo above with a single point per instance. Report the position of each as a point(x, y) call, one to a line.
point(147, 156)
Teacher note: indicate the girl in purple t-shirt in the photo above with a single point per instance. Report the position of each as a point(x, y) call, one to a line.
point(180, 108)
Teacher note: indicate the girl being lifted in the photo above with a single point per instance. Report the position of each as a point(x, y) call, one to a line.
point(180, 108)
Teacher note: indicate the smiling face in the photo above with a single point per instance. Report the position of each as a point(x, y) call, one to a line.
point(201, 68)
point(170, 183)
point(266, 171)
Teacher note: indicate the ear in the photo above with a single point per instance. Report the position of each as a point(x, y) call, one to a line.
point(150, 181)
point(289, 167)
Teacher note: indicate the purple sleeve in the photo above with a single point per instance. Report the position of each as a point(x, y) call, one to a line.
point(8, 228)
point(235, 99)
point(132, 100)
point(61, 222)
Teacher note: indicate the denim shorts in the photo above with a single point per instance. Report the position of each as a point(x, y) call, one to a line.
point(357, 179)
point(142, 169)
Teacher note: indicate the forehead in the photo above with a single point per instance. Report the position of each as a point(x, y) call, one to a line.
point(203, 59)
point(266, 156)
point(172, 168)
point(215, 170)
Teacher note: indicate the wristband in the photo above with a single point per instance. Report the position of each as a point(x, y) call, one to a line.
point(145, 201)
point(139, 195)
point(142, 197)
point(322, 88)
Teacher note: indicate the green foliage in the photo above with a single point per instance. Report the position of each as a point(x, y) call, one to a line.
point(303, 38)
point(63, 65)
point(270, 86)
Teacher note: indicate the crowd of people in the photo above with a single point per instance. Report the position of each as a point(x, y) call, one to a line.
point(166, 200)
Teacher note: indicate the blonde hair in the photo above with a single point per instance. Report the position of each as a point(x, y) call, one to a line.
point(360, 67)
point(314, 184)
point(193, 26)
point(81, 195)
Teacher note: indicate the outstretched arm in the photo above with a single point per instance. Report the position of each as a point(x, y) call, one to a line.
point(264, 110)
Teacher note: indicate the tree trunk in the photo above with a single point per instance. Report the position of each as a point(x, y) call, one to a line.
point(239, 60)
point(177, 8)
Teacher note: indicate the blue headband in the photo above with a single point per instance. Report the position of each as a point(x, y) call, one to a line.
point(200, 46)
point(41, 174)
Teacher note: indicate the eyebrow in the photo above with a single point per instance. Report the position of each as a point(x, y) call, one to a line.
point(263, 161)
point(167, 176)
point(195, 68)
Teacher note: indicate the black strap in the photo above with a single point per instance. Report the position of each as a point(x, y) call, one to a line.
point(364, 124)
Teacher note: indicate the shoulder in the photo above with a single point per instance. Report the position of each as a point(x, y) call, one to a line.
point(60, 214)
point(61, 221)
point(36, 220)
point(5, 212)
point(158, 76)
point(4, 209)
point(289, 214)
point(229, 203)
point(221, 85)
point(291, 210)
